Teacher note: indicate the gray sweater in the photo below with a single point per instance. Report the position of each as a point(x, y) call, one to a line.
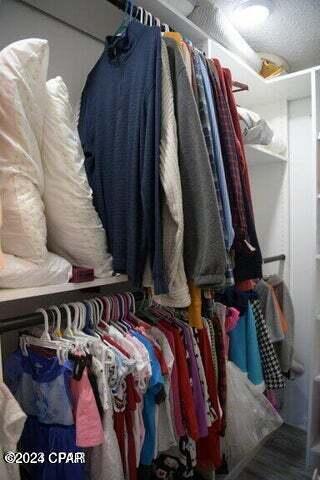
point(204, 251)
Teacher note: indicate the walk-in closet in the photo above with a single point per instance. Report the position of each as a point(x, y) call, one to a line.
point(159, 240)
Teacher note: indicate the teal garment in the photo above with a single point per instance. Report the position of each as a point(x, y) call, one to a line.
point(244, 349)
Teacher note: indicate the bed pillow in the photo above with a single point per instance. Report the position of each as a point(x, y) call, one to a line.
point(74, 228)
point(21, 273)
point(23, 75)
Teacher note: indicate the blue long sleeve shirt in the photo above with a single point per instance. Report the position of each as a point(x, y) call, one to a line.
point(229, 232)
point(119, 127)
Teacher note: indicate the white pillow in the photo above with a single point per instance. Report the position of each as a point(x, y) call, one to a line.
point(74, 228)
point(23, 74)
point(20, 273)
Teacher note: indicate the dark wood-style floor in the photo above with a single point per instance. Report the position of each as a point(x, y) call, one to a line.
point(281, 458)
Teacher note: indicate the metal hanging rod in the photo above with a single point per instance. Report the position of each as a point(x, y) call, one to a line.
point(33, 319)
point(276, 258)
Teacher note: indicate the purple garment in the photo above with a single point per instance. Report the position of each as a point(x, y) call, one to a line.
point(197, 393)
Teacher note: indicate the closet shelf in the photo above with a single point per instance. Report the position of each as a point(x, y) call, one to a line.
point(9, 294)
point(257, 154)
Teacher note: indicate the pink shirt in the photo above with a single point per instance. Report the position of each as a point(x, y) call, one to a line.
point(89, 431)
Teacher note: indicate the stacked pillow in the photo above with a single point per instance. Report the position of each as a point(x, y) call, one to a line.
point(74, 228)
point(23, 75)
point(44, 192)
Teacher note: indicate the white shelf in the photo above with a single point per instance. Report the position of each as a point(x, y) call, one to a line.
point(317, 379)
point(318, 257)
point(257, 154)
point(20, 293)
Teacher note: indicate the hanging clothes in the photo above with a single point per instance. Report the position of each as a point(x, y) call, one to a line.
point(40, 385)
point(250, 267)
point(271, 368)
point(286, 348)
point(172, 213)
point(120, 129)
point(204, 252)
point(244, 350)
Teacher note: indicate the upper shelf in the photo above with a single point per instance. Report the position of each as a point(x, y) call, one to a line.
point(9, 294)
point(257, 154)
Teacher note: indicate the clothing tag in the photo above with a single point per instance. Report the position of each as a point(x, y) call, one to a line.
point(251, 248)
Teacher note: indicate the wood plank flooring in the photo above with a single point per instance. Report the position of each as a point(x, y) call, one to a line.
point(281, 458)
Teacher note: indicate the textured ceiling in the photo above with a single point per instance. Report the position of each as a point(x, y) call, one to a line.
point(291, 31)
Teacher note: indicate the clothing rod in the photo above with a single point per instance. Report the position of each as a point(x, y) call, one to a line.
point(276, 258)
point(33, 319)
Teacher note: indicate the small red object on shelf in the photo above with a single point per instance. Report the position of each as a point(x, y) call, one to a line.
point(81, 274)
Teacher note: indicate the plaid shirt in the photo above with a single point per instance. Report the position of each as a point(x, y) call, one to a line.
point(248, 263)
point(231, 163)
point(239, 138)
point(208, 135)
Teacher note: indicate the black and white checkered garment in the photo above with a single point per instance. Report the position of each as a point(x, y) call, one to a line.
point(273, 377)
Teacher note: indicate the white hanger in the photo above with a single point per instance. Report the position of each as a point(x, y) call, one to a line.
point(148, 19)
point(26, 340)
point(57, 330)
point(45, 335)
point(68, 333)
point(140, 12)
point(158, 22)
point(78, 322)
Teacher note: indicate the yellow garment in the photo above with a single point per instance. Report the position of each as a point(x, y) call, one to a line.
point(194, 311)
point(175, 36)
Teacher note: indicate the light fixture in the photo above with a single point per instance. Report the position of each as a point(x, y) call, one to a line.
point(251, 13)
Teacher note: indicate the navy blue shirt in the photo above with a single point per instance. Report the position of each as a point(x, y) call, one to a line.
point(119, 127)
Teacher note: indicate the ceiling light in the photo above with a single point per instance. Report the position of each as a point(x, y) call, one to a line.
point(251, 13)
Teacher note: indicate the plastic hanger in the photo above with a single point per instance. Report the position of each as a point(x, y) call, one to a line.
point(148, 19)
point(68, 333)
point(45, 335)
point(57, 329)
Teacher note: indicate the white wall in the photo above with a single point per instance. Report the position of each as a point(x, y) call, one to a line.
point(283, 196)
point(72, 54)
point(303, 224)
